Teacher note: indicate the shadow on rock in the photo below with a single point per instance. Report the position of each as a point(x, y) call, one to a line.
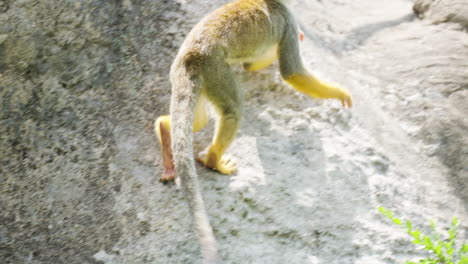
point(356, 37)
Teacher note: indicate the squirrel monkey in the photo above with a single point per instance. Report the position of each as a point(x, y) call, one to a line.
point(252, 32)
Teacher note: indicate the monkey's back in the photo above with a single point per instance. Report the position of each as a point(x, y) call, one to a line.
point(239, 31)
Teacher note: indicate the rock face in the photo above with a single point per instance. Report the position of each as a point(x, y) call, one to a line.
point(81, 83)
point(443, 11)
point(71, 73)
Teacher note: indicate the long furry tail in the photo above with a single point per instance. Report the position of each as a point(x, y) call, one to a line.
point(184, 96)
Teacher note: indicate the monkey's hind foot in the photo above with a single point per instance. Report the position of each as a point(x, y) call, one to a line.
point(224, 165)
point(168, 175)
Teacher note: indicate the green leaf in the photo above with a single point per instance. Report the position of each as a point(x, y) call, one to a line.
point(449, 248)
point(382, 210)
point(464, 248)
point(428, 243)
point(416, 234)
point(448, 245)
point(452, 234)
point(438, 250)
point(463, 260)
point(387, 213)
point(409, 226)
point(397, 221)
point(443, 251)
point(455, 221)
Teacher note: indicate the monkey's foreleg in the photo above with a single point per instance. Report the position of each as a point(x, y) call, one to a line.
point(295, 74)
point(313, 87)
point(162, 128)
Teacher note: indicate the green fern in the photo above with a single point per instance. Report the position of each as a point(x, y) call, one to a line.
point(441, 250)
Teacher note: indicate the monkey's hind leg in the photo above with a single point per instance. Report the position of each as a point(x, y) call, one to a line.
point(162, 128)
point(221, 90)
point(201, 113)
point(224, 135)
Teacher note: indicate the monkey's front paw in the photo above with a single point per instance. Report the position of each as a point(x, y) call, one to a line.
point(346, 100)
point(224, 165)
point(344, 97)
point(335, 91)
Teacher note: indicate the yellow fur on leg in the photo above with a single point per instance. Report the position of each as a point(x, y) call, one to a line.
point(224, 135)
point(165, 121)
point(214, 160)
point(259, 64)
point(201, 114)
point(313, 87)
point(264, 61)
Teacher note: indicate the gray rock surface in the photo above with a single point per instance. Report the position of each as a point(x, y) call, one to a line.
point(441, 11)
point(81, 83)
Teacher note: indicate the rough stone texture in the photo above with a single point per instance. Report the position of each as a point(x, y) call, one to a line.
point(81, 83)
point(440, 11)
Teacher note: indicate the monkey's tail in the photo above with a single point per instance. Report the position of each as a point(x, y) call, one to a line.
point(187, 88)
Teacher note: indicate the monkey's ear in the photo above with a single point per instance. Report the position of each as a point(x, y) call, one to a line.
point(301, 35)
